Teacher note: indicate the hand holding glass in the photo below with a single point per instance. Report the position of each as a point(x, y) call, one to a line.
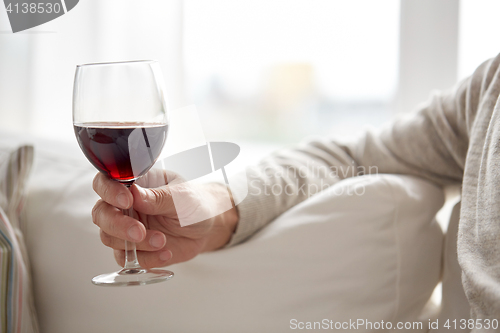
point(121, 124)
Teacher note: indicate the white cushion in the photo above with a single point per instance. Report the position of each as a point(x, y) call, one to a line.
point(337, 256)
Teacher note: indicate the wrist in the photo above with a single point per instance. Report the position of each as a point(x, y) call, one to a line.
point(224, 224)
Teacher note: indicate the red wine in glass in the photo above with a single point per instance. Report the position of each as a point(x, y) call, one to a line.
point(121, 151)
point(120, 120)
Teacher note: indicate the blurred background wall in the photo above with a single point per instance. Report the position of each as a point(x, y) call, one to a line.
point(257, 70)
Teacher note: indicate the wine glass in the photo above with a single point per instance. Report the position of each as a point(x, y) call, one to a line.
point(121, 124)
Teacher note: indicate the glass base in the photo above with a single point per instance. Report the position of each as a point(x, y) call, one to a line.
point(132, 277)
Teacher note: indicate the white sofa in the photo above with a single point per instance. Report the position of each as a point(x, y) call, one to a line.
point(338, 257)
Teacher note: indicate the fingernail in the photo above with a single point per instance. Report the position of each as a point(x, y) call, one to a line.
point(157, 241)
point(122, 200)
point(166, 255)
point(135, 233)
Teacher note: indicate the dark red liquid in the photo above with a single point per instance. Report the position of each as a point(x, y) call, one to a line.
point(122, 151)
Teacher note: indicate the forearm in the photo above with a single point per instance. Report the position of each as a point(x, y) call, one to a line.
point(431, 143)
point(286, 178)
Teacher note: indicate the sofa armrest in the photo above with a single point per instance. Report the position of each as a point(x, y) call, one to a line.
point(368, 248)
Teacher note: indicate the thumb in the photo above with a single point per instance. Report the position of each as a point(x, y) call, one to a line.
point(153, 201)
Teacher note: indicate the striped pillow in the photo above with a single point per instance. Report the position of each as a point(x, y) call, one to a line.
point(17, 311)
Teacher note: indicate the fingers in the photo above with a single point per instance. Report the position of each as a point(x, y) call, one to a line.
point(177, 250)
point(112, 191)
point(153, 201)
point(154, 178)
point(154, 241)
point(111, 220)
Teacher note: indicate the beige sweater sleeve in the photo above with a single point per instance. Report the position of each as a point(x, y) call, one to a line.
point(430, 143)
point(453, 138)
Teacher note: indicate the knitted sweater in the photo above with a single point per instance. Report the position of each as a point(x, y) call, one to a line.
point(454, 138)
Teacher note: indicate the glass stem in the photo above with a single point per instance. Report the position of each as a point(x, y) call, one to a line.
point(131, 261)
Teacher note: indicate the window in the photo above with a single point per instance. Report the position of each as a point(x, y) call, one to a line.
point(478, 38)
point(282, 70)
